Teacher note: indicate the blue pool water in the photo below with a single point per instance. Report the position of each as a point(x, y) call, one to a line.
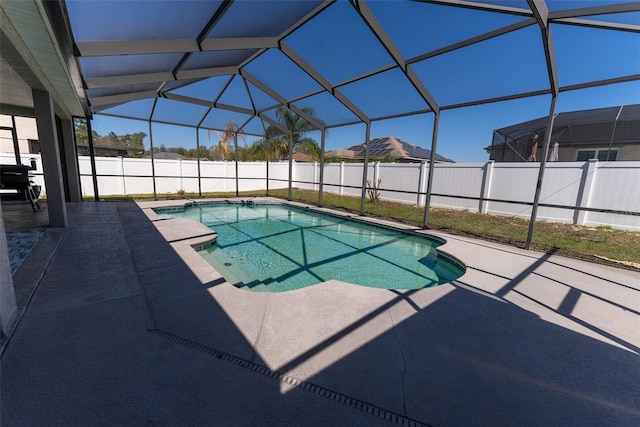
point(276, 248)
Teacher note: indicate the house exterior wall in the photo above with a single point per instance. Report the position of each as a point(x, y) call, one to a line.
point(7, 293)
point(628, 152)
point(631, 152)
point(26, 129)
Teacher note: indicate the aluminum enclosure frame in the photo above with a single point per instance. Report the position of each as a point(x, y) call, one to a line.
point(537, 13)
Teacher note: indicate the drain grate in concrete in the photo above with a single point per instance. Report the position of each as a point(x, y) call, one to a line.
point(320, 391)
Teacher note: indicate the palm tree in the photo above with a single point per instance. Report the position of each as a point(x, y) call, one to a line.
point(278, 143)
point(226, 136)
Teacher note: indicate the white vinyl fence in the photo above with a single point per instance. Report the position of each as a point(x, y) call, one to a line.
point(613, 187)
point(606, 186)
point(125, 176)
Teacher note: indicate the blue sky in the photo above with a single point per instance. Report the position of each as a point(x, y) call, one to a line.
point(501, 66)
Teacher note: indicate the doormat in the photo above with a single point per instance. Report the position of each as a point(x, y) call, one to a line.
point(20, 244)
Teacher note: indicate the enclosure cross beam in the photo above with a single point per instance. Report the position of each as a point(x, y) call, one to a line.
point(265, 88)
point(379, 32)
point(315, 75)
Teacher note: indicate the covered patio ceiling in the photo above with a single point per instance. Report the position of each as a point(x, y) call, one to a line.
point(203, 63)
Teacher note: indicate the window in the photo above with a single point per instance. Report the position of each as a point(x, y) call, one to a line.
point(584, 155)
point(601, 155)
point(606, 155)
point(15, 135)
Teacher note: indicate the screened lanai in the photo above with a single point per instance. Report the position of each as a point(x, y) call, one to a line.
point(114, 316)
point(620, 126)
point(190, 68)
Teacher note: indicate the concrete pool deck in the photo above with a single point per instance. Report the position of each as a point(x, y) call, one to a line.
point(122, 322)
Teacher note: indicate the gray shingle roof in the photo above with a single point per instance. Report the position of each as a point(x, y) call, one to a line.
point(388, 146)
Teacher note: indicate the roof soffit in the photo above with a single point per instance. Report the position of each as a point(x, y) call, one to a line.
point(39, 61)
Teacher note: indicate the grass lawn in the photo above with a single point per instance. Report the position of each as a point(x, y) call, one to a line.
point(600, 244)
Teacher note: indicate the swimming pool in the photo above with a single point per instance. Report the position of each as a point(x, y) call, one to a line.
point(278, 247)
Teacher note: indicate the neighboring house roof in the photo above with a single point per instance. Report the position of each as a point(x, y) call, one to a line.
point(343, 153)
point(388, 146)
point(165, 155)
point(108, 150)
point(302, 157)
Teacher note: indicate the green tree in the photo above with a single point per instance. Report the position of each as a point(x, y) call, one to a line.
point(278, 144)
point(130, 140)
point(114, 140)
point(137, 140)
point(193, 152)
point(178, 150)
point(82, 134)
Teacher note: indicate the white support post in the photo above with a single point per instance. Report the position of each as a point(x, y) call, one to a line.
point(8, 306)
point(485, 191)
point(235, 156)
point(179, 164)
point(422, 183)
point(584, 195)
point(341, 190)
point(376, 172)
point(315, 176)
point(48, 136)
point(71, 161)
point(321, 171)
point(290, 151)
point(226, 174)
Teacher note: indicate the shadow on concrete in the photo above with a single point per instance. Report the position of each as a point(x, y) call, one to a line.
point(83, 354)
point(469, 359)
point(19, 216)
point(570, 300)
point(178, 302)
